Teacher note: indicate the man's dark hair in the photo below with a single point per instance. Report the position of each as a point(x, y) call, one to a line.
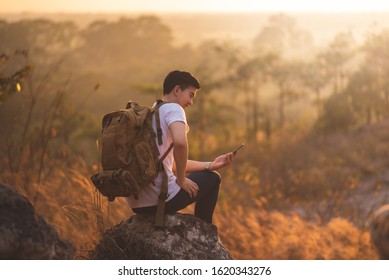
point(180, 78)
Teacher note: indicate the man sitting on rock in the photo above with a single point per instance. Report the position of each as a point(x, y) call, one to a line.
point(202, 185)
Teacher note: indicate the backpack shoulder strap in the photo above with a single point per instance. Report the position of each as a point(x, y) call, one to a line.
point(159, 129)
point(159, 217)
point(155, 109)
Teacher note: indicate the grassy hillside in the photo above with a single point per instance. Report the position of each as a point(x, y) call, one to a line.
point(315, 127)
point(305, 199)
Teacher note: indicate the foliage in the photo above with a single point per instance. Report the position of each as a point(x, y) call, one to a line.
point(43, 38)
point(261, 234)
point(282, 35)
point(39, 124)
point(125, 40)
point(303, 186)
point(11, 84)
point(337, 114)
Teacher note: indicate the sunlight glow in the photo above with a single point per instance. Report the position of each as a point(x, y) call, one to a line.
point(194, 6)
point(18, 87)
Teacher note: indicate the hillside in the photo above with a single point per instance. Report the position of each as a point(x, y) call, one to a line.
point(330, 187)
point(314, 119)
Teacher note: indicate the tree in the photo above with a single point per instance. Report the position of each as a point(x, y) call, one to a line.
point(283, 36)
point(315, 78)
point(363, 90)
point(45, 40)
point(285, 75)
point(141, 42)
point(211, 115)
point(250, 76)
point(337, 114)
point(336, 56)
point(376, 49)
point(36, 124)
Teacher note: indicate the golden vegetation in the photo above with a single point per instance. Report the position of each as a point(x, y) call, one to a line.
point(263, 234)
point(69, 202)
point(315, 126)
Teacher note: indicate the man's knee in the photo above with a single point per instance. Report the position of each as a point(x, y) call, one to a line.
point(215, 177)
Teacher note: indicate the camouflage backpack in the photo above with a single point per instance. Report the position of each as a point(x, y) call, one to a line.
point(130, 156)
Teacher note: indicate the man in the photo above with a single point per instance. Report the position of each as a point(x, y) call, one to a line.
point(202, 185)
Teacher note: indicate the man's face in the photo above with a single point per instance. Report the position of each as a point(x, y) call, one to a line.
point(186, 97)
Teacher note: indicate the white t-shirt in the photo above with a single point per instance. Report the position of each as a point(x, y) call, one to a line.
point(168, 113)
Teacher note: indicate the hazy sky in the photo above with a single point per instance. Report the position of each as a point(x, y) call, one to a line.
point(192, 5)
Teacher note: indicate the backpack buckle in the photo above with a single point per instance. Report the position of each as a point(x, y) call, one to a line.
point(163, 196)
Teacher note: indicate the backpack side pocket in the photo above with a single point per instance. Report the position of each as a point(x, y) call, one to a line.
point(146, 162)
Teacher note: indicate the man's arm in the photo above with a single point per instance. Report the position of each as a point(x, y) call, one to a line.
point(219, 162)
point(180, 152)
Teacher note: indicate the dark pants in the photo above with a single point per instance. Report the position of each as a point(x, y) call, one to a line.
point(208, 183)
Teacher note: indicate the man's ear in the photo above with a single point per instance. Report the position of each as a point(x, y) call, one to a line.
point(176, 90)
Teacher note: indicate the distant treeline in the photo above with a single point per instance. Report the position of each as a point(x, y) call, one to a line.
point(248, 90)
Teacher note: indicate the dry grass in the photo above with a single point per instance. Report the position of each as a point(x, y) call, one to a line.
point(70, 203)
point(262, 234)
point(263, 205)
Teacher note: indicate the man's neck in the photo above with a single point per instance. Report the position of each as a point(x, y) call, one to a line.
point(168, 98)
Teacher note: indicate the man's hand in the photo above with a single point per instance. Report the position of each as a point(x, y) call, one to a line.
point(222, 161)
point(189, 186)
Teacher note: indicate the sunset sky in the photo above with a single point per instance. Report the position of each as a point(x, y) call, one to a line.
point(192, 5)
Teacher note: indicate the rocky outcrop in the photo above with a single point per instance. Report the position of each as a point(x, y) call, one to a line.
point(24, 235)
point(379, 231)
point(184, 237)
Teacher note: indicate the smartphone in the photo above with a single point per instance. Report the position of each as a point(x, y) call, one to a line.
point(238, 148)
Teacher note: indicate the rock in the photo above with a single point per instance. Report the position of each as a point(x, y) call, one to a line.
point(24, 235)
point(184, 237)
point(379, 231)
